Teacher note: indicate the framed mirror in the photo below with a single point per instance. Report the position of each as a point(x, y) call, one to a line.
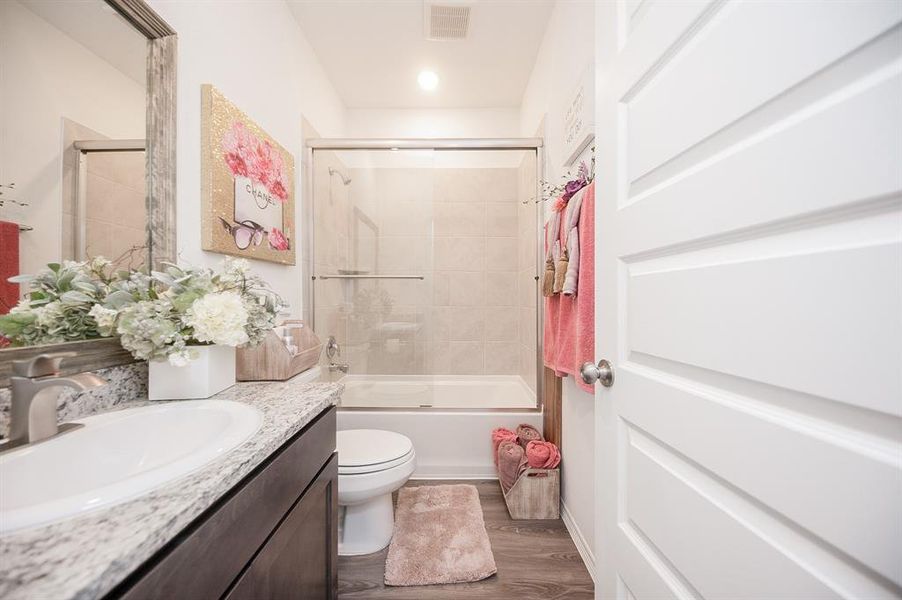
point(87, 152)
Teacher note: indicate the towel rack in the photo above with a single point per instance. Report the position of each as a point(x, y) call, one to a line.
point(26, 228)
point(369, 277)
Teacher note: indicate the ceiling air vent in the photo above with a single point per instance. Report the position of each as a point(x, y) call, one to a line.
point(446, 20)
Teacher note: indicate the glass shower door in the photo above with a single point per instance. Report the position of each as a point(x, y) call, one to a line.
point(373, 257)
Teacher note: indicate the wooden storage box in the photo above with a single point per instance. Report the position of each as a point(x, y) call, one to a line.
point(272, 360)
point(535, 495)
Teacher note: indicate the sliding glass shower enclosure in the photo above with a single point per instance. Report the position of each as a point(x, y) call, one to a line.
point(425, 259)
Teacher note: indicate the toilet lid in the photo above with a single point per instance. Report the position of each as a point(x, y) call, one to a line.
point(371, 447)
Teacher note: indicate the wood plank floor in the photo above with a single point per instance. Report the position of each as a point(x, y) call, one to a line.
point(535, 560)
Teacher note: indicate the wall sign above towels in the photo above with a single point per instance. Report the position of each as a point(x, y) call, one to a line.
point(579, 118)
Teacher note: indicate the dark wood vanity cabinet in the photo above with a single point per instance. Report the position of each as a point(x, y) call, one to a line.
point(272, 537)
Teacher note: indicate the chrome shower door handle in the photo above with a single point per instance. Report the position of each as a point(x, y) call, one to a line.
point(603, 372)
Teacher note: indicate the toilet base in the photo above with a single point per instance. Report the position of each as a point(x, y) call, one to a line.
point(366, 527)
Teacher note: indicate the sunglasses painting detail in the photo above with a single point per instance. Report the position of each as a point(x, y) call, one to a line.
point(248, 232)
point(248, 185)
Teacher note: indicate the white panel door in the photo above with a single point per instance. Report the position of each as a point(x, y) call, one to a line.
point(750, 299)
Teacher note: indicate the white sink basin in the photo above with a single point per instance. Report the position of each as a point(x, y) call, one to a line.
point(116, 457)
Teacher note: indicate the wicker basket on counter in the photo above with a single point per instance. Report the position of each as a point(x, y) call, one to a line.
point(272, 360)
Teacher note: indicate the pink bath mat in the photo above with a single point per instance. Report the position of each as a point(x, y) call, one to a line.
point(439, 537)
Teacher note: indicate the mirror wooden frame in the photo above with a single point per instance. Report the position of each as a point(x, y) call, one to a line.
point(161, 178)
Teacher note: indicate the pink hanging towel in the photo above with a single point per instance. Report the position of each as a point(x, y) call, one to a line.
point(569, 332)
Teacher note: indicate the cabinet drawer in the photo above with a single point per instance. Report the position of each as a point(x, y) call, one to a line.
point(299, 560)
point(204, 559)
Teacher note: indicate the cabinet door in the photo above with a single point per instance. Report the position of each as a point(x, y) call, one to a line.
point(300, 559)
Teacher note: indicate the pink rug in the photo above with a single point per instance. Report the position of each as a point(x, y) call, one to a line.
point(439, 537)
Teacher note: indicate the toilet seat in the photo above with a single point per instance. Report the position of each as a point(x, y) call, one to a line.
point(362, 451)
point(364, 469)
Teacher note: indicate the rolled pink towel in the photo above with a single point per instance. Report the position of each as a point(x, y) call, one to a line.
point(528, 433)
point(511, 462)
point(542, 455)
point(501, 435)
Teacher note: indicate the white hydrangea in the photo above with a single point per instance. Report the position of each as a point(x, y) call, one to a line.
point(182, 357)
point(47, 316)
point(105, 319)
point(218, 318)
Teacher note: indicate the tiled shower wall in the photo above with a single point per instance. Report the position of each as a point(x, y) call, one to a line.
point(114, 195)
point(332, 223)
point(461, 229)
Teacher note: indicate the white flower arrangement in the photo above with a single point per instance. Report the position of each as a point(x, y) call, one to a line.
point(157, 317)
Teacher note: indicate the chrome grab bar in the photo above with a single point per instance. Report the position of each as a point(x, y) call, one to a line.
point(369, 277)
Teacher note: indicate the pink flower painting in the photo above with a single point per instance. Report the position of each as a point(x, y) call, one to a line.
point(247, 189)
point(248, 156)
point(277, 239)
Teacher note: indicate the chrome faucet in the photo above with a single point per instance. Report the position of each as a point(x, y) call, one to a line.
point(333, 350)
point(33, 410)
point(343, 367)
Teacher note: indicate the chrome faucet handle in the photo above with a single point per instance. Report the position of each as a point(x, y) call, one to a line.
point(332, 348)
point(41, 365)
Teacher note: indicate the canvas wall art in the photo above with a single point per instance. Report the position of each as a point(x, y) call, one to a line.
point(247, 185)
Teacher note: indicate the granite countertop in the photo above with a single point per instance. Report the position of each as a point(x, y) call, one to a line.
point(86, 557)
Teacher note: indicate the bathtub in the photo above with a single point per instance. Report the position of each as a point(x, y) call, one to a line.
point(449, 419)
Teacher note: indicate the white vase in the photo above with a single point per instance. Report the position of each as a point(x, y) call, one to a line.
point(211, 372)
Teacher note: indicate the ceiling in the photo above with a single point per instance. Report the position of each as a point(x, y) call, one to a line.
point(372, 51)
point(99, 28)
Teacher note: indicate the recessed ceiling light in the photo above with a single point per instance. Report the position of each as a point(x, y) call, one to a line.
point(428, 80)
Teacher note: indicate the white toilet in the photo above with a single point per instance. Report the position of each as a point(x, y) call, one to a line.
point(371, 465)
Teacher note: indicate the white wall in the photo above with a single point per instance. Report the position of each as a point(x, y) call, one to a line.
point(256, 54)
point(46, 75)
point(565, 54)
point(433, 123)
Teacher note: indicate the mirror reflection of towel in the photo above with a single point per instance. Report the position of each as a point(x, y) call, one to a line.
point(9, 265)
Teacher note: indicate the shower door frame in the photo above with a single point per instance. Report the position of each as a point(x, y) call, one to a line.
point(308, 265)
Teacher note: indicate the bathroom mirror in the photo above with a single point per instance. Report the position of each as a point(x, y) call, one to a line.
point(87, 151)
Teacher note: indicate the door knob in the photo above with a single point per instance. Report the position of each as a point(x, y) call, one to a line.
point(603, 372)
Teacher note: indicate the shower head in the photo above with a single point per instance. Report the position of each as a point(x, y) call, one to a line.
point(344, 180)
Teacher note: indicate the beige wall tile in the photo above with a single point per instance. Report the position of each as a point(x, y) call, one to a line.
point(501, 219)
point(97, 238)
point(528, 288)
point(528, 327)
point(402, 254)
point(99, 192)
point(528, 366)
point(441, 288)
point(501, 253)
point(467, 324)
point(467, 288)
point(501, 288)
point(402, 217)
point(456, 358)
point(459, 253)
point(438, 324)
point(502, 324)
point(502, 358)
point(465, 219)
point(68, 237)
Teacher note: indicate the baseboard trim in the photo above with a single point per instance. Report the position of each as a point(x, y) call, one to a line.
point(585, 552)
point(453, 476)
point(455, 472)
